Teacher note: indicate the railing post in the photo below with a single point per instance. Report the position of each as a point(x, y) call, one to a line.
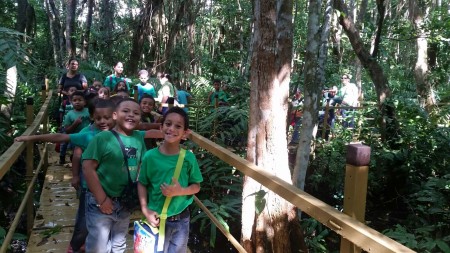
point(355, 188)
point(29, 166)
point(45, 122)
point(136, 94)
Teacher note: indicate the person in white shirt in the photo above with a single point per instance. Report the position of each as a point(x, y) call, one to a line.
point(348, 96)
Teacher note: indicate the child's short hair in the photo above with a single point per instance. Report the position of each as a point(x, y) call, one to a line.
point(179, 111)
point(124, 100)
point(145, 95)
point(78, 93)
point(143, 72)
point(100, 103)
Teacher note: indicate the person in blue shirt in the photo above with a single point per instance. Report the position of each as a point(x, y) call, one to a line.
point(144, 87)
point(183, 97)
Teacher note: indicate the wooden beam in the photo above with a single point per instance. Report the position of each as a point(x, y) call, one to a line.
point(358, 233)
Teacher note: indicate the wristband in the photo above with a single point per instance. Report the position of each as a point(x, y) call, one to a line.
point(99, 205)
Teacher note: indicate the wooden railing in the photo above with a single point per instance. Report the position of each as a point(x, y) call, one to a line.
point(10, 157)
point(349, 228)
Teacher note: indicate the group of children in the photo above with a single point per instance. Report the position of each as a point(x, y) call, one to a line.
point(100, 166)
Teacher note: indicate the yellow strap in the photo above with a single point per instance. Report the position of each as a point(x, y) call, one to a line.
point(163, 216)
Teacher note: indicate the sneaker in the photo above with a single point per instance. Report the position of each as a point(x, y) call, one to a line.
point(62, 161)
point(69, 249)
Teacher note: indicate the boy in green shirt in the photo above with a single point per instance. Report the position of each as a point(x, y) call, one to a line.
point(156, 182)
point(106, 175)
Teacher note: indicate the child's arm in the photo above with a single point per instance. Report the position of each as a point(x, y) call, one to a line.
point(70, 128)
point(175, 189)
point(76, 164)
point(153, 133)
point(103, 202)
point(45, 137)
point(150, 215)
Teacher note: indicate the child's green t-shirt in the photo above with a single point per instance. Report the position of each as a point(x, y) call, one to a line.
point(73, 115)
point(158, 168)
point(111, 170)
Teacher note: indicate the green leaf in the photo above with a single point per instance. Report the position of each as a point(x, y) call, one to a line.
point(443, 246)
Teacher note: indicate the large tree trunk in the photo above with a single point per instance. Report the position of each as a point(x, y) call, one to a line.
point(315, 60)
point(70, 28)
point(87, 31)
point(389, 128)
point(425, 89)
point(55, 31)
point(267, 230)
point(142, 31)
point(312, 95)
point(174, 29)
point(190, 30)
point(107, 28)
point(358, 66)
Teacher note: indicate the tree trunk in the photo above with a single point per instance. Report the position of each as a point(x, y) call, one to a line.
point(21, 23)
point(312, 95)
point(55, 31)
point(87, 31)
point(358, 66)
point(107, 28)
point(174, 29)
point(389, 128)
point(266, 230)
point(141, 32)
point(190, 30)
point(70, 28)
point(425, 89)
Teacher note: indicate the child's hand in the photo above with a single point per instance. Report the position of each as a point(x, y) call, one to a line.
point(171, 190)
point(151, 216)
point(107, 206)
point(75, 182)
point(78, 121)
point(21, 138)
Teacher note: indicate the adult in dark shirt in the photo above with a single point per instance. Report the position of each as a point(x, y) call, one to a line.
point(72, 78)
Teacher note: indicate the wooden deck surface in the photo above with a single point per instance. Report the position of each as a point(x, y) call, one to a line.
point(55, 218)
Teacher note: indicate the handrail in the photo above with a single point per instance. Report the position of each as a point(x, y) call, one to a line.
point(22, 206)
point(10, 156)
point(216, 222)
point(358, 233)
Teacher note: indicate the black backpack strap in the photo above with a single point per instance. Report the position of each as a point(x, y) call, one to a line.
point(125, 158)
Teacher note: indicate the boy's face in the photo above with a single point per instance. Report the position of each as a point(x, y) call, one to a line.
point(143, 78)
point(103, 118)
point(127, 116)
point(173, 128)
point(71, 91)
point(216, 86)
point(78, 103)
point(147, 105)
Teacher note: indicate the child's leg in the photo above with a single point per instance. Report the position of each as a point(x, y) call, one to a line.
point(80, 230)
point(98, 226)
point(177, 235)
point(119, 229)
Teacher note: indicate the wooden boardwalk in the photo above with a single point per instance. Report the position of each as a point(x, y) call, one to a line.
point(55, 218)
